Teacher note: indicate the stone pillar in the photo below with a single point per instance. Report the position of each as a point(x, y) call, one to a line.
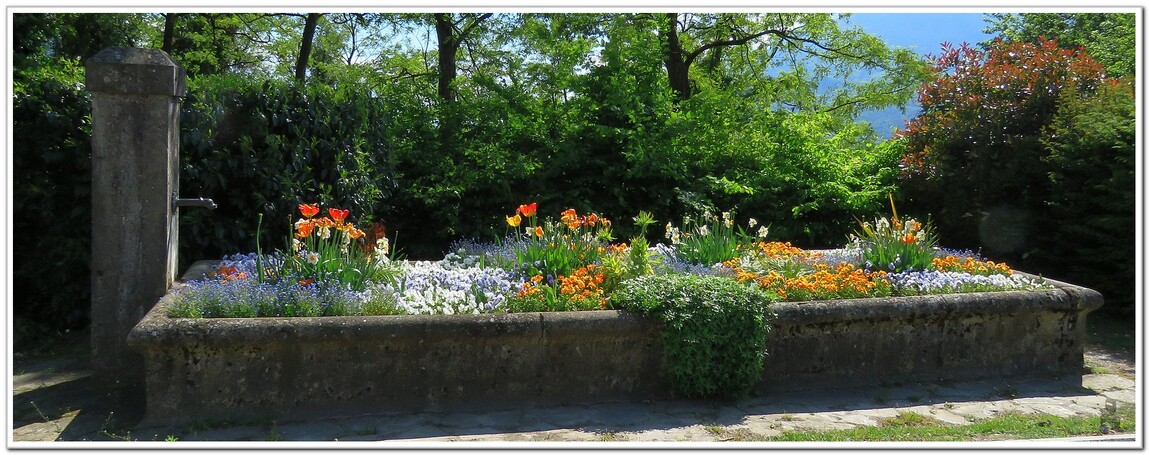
point(136, 96)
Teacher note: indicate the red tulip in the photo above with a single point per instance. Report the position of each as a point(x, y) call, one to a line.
point(308, 210)
point(528, 210)
point(338, 215)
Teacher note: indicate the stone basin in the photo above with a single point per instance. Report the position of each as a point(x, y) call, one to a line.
point(258, 368)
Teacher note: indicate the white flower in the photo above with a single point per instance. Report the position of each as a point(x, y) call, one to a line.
point(382, 247)
point(311, 257)
point(296, 244)
point(324, 232)
point(882, 225)
point(762, 232)
point(703, 230)
point(753, 222)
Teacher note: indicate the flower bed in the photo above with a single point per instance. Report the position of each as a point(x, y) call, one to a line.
point(392, 339)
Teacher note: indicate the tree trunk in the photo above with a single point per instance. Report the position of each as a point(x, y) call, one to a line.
point(305, 45)
point(448, 49)
point(169, 31)
point(676, 68)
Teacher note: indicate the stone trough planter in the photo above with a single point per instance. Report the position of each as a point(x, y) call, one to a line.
point(228, 369)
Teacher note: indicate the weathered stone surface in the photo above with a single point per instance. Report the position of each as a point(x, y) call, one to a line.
point(901, 340)
point(135, 141)
point(346, 365)
point(134, 71)
point(199, 368)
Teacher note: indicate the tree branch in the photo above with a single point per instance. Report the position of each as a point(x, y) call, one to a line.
point(471, 26)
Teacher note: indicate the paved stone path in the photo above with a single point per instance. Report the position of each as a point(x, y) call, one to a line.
point(694, 421)
point(55, 403)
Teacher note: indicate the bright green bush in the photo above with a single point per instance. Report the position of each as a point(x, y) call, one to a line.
point(714, 330)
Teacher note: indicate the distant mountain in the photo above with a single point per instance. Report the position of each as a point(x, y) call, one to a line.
point(922, 32)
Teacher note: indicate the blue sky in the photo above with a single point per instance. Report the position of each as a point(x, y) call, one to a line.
point(923, 32)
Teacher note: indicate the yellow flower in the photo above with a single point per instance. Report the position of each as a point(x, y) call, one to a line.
point(514, 221)
point(539, 231)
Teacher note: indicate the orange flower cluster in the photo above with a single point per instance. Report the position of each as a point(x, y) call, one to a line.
point(780, 250)
point(584, 284)
point(307, 225)
point(227, 274)
point(531, 287)
point(573, 221)
point(971, 266)
point(844, 280)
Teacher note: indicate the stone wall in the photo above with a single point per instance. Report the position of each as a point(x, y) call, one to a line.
point(260, 367)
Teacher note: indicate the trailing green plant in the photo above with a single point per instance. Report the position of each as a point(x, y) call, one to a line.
point(714, 330)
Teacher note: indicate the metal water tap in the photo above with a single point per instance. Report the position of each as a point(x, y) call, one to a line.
point(178, 202)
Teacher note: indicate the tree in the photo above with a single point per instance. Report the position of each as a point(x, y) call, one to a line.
point(1110, 38)
point(802, 50)
point(974, 153)
point(309, 24)
point(451, 32)
point(215, 43)
point(1090, 148)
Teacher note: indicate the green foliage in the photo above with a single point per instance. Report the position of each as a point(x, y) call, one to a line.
point(264, 147)
point(51, 197)
point(51, 163)
point(1091, 143)
point(1041, 175)
point(709, 240)
point(714, 330)
point(639, 256)
point(539, 116)
point(1111, 38)
point(53, 38)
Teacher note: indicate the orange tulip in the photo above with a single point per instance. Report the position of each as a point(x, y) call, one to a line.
point(539, 231)
point(528, 210)
point(304, 230)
